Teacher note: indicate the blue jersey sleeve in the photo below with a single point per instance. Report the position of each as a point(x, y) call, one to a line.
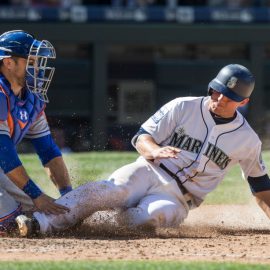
point(9, 159)
point(46, 148)
point(3, 107)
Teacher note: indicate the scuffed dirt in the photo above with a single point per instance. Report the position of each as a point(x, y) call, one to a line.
point(211, 233)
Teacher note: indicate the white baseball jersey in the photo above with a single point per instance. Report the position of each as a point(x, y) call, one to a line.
point(208, 150)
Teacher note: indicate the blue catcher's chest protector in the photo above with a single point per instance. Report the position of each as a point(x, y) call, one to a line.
point(21, 113)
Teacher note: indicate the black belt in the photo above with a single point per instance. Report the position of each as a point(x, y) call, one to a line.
point(175, 177)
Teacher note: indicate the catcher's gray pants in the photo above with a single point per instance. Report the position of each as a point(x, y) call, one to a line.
point(12, 200)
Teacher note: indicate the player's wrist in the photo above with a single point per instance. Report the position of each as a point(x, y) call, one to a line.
point(32, 190)
point(65, 190)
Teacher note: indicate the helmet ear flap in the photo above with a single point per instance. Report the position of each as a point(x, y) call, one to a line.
point(210, 91)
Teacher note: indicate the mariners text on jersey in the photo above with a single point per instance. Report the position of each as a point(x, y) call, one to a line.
point(186, 142)
point(217, 156)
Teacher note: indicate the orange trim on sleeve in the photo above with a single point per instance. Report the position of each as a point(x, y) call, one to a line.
point(10, 123)
point(42, 111)
point(9, 117)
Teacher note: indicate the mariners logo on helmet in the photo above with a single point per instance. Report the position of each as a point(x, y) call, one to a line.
point(232, 82)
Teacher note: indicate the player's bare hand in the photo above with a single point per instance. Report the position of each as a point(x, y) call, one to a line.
point(166, 152)
point(47, 205)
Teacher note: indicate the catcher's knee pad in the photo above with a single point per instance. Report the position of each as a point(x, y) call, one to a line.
point(7, 222)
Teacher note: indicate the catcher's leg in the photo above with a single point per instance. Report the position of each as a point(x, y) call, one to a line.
point(16, 193)
point(155, 211)
point(12, 202)
point(9, 210)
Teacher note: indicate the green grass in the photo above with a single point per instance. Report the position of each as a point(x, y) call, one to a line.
point(82, 167)
point(93, 166)
point(232, 190)
point(117, 265)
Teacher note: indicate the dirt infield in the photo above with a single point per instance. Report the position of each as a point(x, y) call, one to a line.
point(212, 233)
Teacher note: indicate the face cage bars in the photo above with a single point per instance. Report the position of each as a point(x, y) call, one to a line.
point(42, 75)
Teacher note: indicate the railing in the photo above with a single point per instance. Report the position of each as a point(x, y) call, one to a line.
point(182, 15)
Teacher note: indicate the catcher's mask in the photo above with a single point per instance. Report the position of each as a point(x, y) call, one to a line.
point(233, 81)
point(21, 44)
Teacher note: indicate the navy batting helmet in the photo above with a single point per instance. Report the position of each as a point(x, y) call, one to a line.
point(233, 81)
point(22, 44)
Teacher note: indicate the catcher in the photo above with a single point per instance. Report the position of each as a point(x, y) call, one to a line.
point(24, 81)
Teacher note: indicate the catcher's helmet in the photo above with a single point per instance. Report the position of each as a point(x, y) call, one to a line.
point(22, 44)
point(233, 81)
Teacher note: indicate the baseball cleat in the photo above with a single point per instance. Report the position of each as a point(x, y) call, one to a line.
point(28, 227)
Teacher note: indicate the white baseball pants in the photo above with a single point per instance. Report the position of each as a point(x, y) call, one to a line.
point(145, 193)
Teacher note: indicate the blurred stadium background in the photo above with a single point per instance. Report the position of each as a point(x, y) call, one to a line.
point(118, 61)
